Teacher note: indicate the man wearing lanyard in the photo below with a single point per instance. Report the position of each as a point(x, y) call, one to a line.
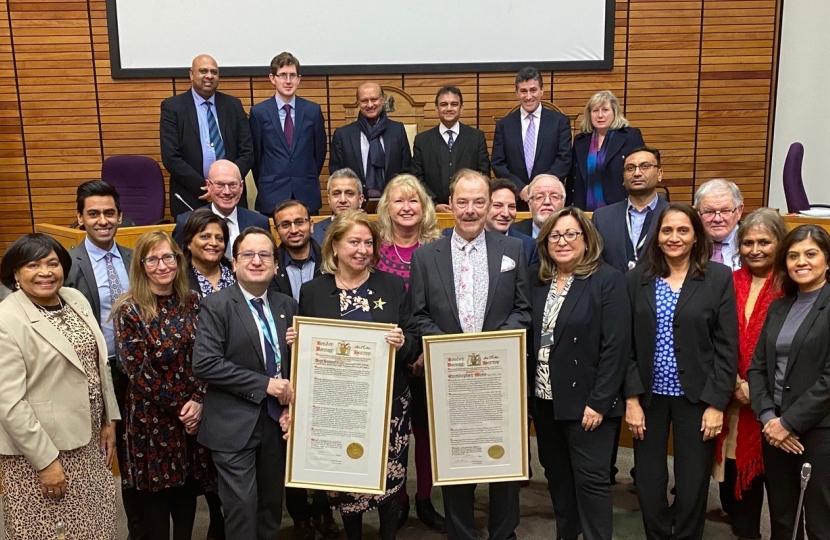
point(242, 353)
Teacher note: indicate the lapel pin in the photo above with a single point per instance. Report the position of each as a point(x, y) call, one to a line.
point(282, 315)
point(379, 303)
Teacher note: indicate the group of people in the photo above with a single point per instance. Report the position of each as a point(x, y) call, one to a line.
point(669, 320)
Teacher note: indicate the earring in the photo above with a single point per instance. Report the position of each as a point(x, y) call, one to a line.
point(335, 254)
point(17, 285)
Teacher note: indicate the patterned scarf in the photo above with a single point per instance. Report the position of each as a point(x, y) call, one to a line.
point(376, 162)
point(596, 166)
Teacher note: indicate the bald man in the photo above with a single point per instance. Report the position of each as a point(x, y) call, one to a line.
point(373, 146)
point(197, 128)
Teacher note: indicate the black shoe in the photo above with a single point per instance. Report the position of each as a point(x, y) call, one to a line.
point(429, 517)
point(303, 531)
point(326, 526)
point(403, 511)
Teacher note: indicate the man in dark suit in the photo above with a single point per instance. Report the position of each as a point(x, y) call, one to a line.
point(503, 197)
point(345, 193)
point(298, 257)
point(242, 353)
point(224, 187)
point(532, 140)
point(448, 147)
point(373, 146)
point(289, 139)
point(626, 226)
point(496, 265)
point(197, 128)
point(547, 195)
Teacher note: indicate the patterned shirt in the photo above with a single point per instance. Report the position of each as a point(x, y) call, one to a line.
point(552, 306)
point(226, 279)
point(666, 382)
point(481, 277)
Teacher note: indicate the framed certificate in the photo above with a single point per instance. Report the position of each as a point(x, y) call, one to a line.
point(341, 372)
point(477, 403)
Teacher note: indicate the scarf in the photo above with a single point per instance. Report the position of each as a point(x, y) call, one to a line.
point(596, 166)
point(376, 162)
point(748, 460)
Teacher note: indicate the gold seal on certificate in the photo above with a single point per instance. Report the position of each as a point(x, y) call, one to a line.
point(354, 450)
point(496, 451)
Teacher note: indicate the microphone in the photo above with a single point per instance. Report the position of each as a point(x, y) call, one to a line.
point(183, 201)
point(806, 471)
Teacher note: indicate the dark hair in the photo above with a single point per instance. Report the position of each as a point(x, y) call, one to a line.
point(96, 188)
point(528, 74)
point(31, 247)
point(591, 260)
point(284, 59)
point(198, 222)
point(799, 234)
point(288, 203)
point(449, 89)
point(655, 260)
point(248, 231)
point(498, 184)
point(653, 151)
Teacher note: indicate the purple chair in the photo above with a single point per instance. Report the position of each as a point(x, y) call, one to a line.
point(140, 183)
point(794, 192)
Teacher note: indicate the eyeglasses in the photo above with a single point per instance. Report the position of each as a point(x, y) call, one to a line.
point(709, 215)
point(169, 259)
point(299, 222)
point(220, 186)
point(264, 256)
point(554, 197)
point(644, 167)
point(569, 236)
point(287, 76)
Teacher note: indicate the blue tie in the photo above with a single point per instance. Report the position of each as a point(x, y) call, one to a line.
point(213, 131)
point(271, 361)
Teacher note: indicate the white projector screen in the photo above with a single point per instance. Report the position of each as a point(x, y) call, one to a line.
point(151, 38)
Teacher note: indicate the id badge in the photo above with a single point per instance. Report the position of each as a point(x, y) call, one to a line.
point(547, 339)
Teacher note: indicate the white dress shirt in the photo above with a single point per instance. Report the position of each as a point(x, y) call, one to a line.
point(537, 116)
point(233, 228)
point(444, 132)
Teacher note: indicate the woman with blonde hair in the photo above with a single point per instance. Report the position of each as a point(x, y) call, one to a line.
point(599, 151)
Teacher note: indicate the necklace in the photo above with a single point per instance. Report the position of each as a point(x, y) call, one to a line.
point(50, 308)
point(395, 246)
point(349, 287)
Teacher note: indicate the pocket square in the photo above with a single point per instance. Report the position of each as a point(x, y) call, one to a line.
point(507, 264)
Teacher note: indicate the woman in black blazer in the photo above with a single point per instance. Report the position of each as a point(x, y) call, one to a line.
point(599, 153)
point(204, 240)
point(789, 385)
point(682, 370)
point(352, 289)
point(579, 342)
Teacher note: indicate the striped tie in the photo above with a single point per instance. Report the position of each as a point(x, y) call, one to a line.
point(213, 130)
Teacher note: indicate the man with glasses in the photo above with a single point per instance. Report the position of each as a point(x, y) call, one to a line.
point(546, 196)
point(345, 192)
point(224, 188)
point(289, 139)
point(242, 352)
point(720, 205)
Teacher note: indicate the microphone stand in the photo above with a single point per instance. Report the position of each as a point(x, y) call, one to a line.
point(806, 471)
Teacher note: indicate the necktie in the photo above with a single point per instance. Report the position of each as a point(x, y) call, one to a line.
point(112, 278)
point(450, 140)
point(288, 128)
point(530, 144)
point(272, 360)
point(717, 254)
point(229, 241)
point(465, 287)
point(213, 132)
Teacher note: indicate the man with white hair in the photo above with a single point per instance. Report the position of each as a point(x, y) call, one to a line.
point(546, 195)
point(720, 205)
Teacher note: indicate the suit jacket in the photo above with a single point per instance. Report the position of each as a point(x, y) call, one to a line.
point(44, 401)
point(553, 148)
point(432, 287)
point(247, 218)
point(611, 222)
point(591, 344)
point(469, 151)
point(281, 282)
point(345, 150)
point(281, 173)
point(524, 227)
point(82, 277)
point(617, 148)
point(705, 336)
point(228, 357)
point(181, 147)
point(388, 303)
point(528, 244)
point(805, 400)
point(320, 228)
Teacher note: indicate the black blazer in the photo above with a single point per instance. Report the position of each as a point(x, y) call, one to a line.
point(705, 336)
point(618, 147)
point(181, 147)
point(469, 151)
point(246, 218)
point(281, 282)
point(611, 223)
point(82, 277)
point(524, 226)
point(553, 148)
point(805, 401)
point(388, 303)
point(193, 281)
point(345, 150)
point(228, 357)
point(591, 344)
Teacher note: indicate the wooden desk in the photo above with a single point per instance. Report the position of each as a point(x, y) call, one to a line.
point(794, 220)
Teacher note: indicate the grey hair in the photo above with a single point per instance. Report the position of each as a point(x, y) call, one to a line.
point(541, 177)
point(718, 185)
point(345, 172)
point(763, 218)
point(599, 98)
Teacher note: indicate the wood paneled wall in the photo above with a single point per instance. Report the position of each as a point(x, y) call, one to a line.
point(695, 76)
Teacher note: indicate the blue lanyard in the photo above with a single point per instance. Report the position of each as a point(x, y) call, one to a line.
point(266, 331)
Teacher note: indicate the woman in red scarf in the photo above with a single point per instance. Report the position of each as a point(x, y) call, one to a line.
point(739, 465)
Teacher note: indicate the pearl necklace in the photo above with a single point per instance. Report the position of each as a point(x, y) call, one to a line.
point(404, 261)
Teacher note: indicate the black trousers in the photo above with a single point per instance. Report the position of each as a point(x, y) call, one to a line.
point(387, 515)
point(783, 472)
point(157, 507)
point(460, 514)
point(251, 483)
point(576, 467)
point(693, 459)
point(300, 509)
point(745, 514)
